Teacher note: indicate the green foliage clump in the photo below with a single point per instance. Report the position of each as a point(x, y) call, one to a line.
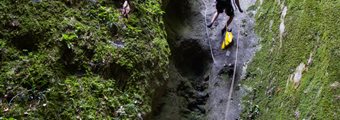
point(80, 59)
point(311, 37)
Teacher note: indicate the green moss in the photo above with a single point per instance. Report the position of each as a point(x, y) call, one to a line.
point(77, 59)
point(311, 28)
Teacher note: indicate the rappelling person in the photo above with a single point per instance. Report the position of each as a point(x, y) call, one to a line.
point(126, 8)
point(226, 5)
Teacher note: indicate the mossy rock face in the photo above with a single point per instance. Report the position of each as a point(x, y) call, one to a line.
point(71, 59)
point(311, 37)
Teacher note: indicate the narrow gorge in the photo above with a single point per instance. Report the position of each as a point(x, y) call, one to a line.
point(200, 79)
point(158, 60)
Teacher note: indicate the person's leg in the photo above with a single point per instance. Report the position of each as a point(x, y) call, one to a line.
point(214, 19)
point(230, 13)
point(238, 5)
point(124, 12)
point(228, 23)
point(230, 20)
point(219, 9)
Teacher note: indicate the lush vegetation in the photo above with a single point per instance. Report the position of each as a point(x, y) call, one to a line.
point(79, 59)
point(312, 37)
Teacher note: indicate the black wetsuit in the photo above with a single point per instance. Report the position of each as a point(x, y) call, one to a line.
point(225, 5)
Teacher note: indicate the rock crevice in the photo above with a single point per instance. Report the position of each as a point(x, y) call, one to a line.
point(198, 86)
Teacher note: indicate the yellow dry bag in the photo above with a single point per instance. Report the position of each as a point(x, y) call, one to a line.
point(227, 40)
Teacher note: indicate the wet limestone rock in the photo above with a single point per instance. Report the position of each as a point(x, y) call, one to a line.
point(298, 75)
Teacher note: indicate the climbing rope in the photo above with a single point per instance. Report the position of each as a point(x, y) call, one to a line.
point(234, 74)
point(207, 32)
point(212, 55)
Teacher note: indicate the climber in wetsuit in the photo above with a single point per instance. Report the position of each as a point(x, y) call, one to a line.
point(226, 5)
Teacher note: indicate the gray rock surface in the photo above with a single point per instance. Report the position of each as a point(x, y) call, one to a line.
point(198, 87)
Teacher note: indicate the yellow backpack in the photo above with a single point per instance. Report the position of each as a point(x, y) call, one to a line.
point(227, 40)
